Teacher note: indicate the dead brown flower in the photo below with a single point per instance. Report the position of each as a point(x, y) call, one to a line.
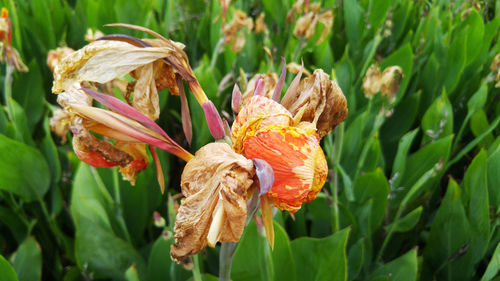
point(233, 33)
point(215, 185)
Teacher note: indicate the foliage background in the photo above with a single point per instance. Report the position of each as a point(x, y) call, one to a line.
point(413, 195)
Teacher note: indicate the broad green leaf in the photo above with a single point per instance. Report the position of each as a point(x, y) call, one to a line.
point(438, 119)
point(8, 273)
point(96, 244)
point(476, 191)
point(493, 174)
point(160, 264)
point(254, 260)
point(455, 61)
point(475, 29)
point(131, 274)
point(353, 22)
point(493, 266)
point(371, 186)
point(20, 123)
point(356, 258)
point(378, 12)
point(321, 259)
point(477, 101)
point(24, 170)
point(27, 261)
point(424, 159)
point(479, 124)
point(49, 150)
point(205, 277)
point(449, 237)
point(28, 91)
point(399, 165)
point(407, 222)
point(404, 268)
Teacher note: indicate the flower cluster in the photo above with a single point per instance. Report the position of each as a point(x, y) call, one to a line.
point(272, 151)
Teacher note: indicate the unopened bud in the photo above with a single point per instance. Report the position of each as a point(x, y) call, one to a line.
point(159, 220)
point(214, 121)
point(259, 87)
point(236, 100)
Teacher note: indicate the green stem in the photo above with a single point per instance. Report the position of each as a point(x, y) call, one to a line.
point(337, 153)
point(226, 260)
point(196, 268)
point(8, 90)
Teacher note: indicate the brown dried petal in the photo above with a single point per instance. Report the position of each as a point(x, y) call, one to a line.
point(74, 95)
point(260, 24)
point(495, 64)
point(270, 80)
point(320, 101)
point(389, 81)
point(91, 36)
point(371, 81)
point(305, 25)
point(326, 18)
point(146, 98)
point(86, 142)
point(233, 31)
point(102, 61)
point(215, 176)
point(294, 68)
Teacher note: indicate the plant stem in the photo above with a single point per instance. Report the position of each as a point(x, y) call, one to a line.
point(117, 205)
point(337, 153)
point(226, 260)
point(215, 54)
point(8, 90)
point(196, 268)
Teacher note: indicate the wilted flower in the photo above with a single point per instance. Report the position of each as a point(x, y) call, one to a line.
point(8, 53)
point(260, 24)
point(295, 68)
point(233, 33)
point(306, 24)
point(387, 82)
point(215, 184)
point(60, 123)
point(285, 135)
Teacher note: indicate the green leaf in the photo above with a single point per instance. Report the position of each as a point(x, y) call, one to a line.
point(28, 91)
point(371, 186)
point(438, 119)
point(96, 244)
point(254, 259)
point(400, 160)
point(478, 100)
point(24, 170)
point(131, 274)
point(455, 61)
point(493, 174)
point(404, 268)
point(160, 265)
point(449, 236)
point(321, 259)
point(378, 12)
point(356, 258)
point(493, 266)
point(407, 222)
point(424, 159)
point(353, 22)
point(27, 261)
point(475, 29)
point(8, 273)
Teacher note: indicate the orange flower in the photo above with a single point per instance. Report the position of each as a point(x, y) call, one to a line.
point(287, 139)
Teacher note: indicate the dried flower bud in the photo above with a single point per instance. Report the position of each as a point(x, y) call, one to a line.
point(320, 101)
point(215, 185)
point(233, 31)
point(260, 24)
point(387, 82)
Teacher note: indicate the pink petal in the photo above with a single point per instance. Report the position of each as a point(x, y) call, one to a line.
point(259, 86)
point(265, 174)
point(279, 86)
point(290, 93)
point(236, 100)
point(214, 121)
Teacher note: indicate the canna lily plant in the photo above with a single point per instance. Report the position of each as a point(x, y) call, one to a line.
point(271, 155)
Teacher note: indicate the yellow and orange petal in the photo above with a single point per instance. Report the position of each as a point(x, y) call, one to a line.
point(299, 165)
point(259, 112)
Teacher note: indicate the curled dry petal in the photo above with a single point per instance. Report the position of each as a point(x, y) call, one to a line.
point(102, 61)
point(269, 82)
point(298, 162)
point(371, 81)
point(140, 162)
point(233, 31)
point(146, 98)
point(294, 68)
point(260, 24)
point(265, 175)
point(305, 25)
point(320, 101)
point(215, 184)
